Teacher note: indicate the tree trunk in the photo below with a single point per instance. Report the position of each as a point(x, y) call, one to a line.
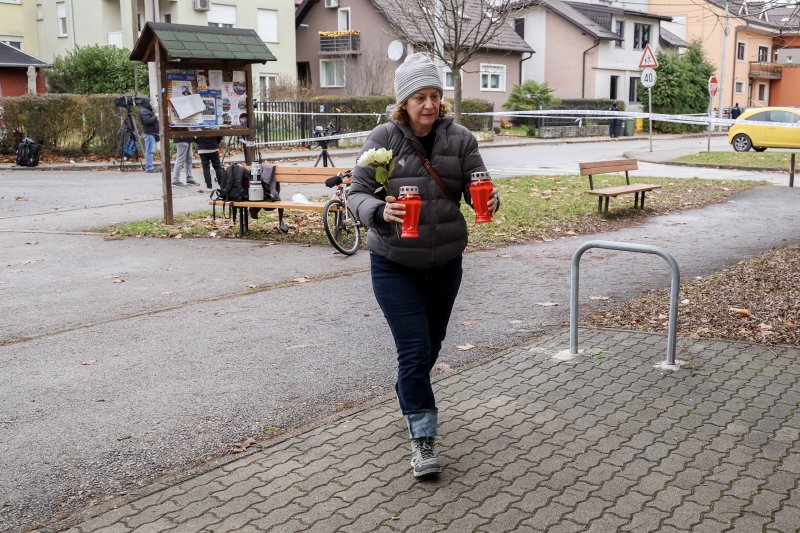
point(457, 95)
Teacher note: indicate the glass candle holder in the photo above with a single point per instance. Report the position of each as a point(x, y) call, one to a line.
point(480, 188)
point(409, 196)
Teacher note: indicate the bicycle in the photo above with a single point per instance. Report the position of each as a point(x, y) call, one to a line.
point(342, 226)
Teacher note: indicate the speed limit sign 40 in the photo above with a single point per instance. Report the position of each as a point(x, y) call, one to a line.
point(648, 78)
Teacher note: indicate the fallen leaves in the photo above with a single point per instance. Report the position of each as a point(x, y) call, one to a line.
point(599, 298)
point(240, 447)
point(546, 304)
point(88, 362)
point(465, 347)
point(756, 300)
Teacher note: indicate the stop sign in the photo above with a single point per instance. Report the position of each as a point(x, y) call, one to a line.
point(713, 86)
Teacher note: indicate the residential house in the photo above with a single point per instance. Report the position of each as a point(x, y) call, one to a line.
point(347, 47)
point(18, 25)
point(56, 27)
point(591, 50)
point(20, 72)
point(759, 36)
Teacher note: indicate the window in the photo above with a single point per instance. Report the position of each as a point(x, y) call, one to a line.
point(115, 38)
point(61, 13)
point(167, 17)
point(39, 12)
point(762, 91)
point(331, 72)
point(759, 117)
point(641, 35)
point(783, 116)
point(763, 54)
point(222, 16)
point(449, 83)
point(612, 90)
point(741, 51)
point(10, 1)
point(519, 27)
point(619, 29)
point(739, 87)
point(343, 19)
point(16, 42)
point(493, 77)
point(268, 25)
point(265, 83)
point(633, 90)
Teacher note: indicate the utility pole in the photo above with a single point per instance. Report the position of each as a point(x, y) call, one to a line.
point(722, 70)
point(151, 14)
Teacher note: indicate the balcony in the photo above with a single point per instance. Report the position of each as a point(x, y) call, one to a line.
point(768, 71)
point(340, 42)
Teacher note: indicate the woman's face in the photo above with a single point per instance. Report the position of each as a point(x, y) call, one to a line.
point(423, 110)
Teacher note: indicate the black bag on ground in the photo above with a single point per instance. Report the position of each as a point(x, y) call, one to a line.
point(28, 152)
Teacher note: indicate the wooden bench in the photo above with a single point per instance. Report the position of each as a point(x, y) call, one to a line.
point(286, 174)
point(617, 165)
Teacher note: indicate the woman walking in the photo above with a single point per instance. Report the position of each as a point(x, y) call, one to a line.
point(416, 281)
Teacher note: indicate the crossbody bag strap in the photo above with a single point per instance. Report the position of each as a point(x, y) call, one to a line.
point(434, 174)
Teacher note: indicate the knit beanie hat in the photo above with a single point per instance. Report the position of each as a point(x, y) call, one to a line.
point(417, 72)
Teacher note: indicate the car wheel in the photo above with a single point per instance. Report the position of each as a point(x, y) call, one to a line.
point(759, 148)
point(741, 143)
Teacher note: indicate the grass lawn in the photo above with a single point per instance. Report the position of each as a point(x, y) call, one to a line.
point(776, 160)
point(534, 208)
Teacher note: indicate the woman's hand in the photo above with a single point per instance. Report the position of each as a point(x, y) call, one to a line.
point(494, 200)
point(393, 212)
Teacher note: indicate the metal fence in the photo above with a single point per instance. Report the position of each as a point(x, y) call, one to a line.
point(286, 120)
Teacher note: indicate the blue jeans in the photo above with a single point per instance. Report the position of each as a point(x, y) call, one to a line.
point(417, 304)
point(149, 151)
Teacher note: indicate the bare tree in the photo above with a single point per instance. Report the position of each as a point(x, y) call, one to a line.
point(452, 31)
point(368, 74)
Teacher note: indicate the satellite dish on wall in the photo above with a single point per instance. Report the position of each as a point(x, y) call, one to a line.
point(395, 50)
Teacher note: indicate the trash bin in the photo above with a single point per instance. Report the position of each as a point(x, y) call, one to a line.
point(628, 127)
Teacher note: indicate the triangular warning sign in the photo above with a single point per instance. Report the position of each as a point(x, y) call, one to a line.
point(648, 58)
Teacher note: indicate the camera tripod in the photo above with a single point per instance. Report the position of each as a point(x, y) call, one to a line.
point(324, 156)
point(128, 132)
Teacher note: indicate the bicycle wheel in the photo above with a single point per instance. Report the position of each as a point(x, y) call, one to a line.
point(341, 228)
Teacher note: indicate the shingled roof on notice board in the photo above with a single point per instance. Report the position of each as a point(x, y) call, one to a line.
point(185, 41)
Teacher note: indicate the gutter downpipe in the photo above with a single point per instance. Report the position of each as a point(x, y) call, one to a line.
point(583, 70)
point(520, 64)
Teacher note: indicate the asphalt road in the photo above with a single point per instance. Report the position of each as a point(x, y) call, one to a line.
point(126, 360)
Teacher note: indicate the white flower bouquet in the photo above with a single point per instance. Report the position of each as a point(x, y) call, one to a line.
point(383, 161)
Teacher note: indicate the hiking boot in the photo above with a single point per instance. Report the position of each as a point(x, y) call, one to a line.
point(422, 458)
point(190, 181)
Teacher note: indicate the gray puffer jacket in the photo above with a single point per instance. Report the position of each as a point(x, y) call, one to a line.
point(442, 228)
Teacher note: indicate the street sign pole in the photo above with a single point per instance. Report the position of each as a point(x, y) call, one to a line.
point(650, 110)
point(708, 129)
point(713, 87)
point(648, 79)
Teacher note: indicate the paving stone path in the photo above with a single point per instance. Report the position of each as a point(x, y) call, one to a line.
point(530, 441)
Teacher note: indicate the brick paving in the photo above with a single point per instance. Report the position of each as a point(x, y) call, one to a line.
point(531, 442)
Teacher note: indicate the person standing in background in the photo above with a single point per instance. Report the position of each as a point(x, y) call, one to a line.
point(183, 159)
point(208, 148)
point(150, 126)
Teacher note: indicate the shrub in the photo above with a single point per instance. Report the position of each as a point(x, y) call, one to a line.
point(97, 70)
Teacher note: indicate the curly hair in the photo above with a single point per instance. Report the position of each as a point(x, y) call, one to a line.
point(400, 115)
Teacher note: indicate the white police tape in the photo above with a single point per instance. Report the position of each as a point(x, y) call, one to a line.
point(307, 139)
point(578, 114)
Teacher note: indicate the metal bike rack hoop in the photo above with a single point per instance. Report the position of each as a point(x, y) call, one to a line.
point(625, 247)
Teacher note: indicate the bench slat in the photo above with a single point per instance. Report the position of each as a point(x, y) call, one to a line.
point(604, 167)
point(306, 174)
point(313, 206)
point(623, 189)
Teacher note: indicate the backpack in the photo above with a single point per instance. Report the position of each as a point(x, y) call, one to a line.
point(28, 152)
point(129, 149)
point(233, 184)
